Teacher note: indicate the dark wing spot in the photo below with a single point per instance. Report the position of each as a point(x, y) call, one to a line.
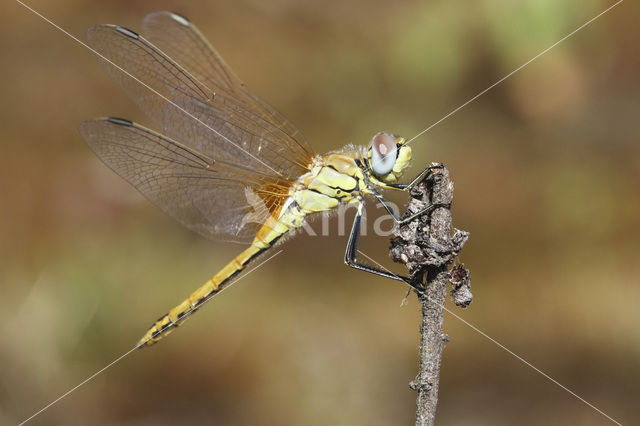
point(119, 121)
point(127, 32)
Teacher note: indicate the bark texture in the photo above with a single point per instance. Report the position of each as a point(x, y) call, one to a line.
point(427, 247)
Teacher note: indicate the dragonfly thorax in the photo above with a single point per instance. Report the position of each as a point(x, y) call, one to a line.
point(335, 178)
point(344, 177)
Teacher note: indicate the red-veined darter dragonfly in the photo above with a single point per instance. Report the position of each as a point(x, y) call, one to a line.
point(227, 164)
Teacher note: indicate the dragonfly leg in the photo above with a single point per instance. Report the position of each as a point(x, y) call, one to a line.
point(415, 181)
point(403, 220)
point(350, 256)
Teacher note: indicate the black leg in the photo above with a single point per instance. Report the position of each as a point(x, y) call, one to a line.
point(414, 182)
point(352, 250)
point(400, 220)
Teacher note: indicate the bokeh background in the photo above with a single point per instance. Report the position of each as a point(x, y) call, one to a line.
point(546, 167)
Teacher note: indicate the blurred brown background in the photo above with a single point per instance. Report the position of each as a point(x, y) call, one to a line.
point(546, 166)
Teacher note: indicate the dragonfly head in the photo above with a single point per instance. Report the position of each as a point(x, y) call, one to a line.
point(387, 157)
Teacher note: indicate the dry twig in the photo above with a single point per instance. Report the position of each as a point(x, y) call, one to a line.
point(427, 248)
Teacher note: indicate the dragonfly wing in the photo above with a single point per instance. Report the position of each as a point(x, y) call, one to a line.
point(217, 123)
point(210, 196)
point(181, 40)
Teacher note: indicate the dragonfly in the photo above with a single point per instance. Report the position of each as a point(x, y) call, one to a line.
point(226, 164)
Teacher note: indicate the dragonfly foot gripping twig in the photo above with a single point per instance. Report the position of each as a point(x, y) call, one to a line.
point(427, 248)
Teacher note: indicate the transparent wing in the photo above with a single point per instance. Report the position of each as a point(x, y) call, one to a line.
point(210, 196)
point(227, 125)
point(181, 40)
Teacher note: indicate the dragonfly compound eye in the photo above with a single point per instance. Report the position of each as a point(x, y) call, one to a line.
point(383, 153)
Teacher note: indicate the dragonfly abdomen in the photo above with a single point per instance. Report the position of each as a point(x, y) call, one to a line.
point(337, 180)
point(176, 316)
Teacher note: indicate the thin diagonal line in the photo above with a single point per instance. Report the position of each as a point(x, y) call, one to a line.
point(77, 386)
point(515, 71)
point(532, 366)
point(247, 273)
point(145, 84)
point(88, 379)
point(500, 345)
point(508, 75)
